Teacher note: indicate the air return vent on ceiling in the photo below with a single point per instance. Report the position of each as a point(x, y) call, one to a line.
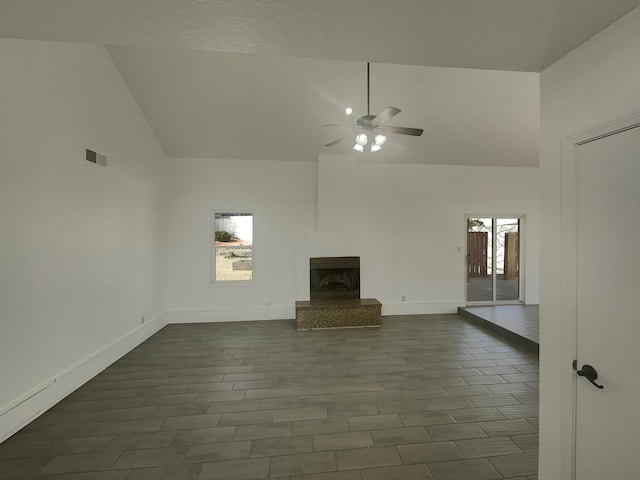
point(95, 157)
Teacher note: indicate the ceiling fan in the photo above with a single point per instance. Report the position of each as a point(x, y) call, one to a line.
point(373, 129)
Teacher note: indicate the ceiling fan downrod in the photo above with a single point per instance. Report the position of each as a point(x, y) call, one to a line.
point(368, 91)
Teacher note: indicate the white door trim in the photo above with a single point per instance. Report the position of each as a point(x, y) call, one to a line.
point(568, 323)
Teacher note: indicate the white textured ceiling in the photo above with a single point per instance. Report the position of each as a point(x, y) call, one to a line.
point(182, 60)
point(524, 35)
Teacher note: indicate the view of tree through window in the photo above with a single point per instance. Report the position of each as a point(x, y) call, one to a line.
point(232, 247)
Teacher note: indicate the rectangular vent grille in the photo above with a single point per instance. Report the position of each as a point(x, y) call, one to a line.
point(91, 156)
point(95, 157)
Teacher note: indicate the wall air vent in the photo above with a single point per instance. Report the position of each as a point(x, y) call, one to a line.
point(95, 157)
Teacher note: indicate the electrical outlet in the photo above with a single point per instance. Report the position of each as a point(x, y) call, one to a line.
point(403, 298)
point(141, 320)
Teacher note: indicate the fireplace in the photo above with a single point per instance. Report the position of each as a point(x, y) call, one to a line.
point(335, 297)
point(334, 278)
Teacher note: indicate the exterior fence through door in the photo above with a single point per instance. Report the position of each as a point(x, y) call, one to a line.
point(477, 245)
point(511, 254)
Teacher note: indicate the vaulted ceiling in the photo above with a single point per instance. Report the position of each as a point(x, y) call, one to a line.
point(258, 79)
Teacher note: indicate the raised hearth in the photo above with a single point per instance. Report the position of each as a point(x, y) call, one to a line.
point(338, 313)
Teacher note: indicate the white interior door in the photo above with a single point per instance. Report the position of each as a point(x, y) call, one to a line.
point(608, 317)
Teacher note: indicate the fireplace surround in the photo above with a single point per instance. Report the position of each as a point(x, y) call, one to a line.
point(334, 293)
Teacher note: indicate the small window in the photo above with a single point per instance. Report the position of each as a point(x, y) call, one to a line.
point(231, 247)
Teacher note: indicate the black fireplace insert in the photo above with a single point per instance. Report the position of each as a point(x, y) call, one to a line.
point(334, 277)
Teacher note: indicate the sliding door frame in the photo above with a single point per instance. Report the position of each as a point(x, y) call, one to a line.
point(521, 255)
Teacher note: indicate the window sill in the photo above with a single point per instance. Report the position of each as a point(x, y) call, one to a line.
point(233, 283)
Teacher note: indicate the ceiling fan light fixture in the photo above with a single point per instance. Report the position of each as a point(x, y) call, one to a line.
point(373, 125)
point(380, 140)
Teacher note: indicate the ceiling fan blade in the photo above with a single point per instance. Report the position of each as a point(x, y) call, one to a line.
point(385, 115)
point(338, 125)
point(416, 132)
point(337, 140)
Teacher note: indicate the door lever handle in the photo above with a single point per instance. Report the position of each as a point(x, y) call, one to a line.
point(590, 374)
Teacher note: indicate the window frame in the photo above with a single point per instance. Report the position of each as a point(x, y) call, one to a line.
point(213, 280)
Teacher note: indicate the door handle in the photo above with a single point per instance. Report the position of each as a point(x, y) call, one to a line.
point(590, 373)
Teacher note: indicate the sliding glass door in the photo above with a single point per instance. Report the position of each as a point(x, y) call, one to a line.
point(493, 259)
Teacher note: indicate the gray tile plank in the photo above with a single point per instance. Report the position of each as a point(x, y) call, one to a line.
point(304, 463)
point(374, 422)
point(197, 436)
point(174, 472)
point(215, 452)
point(133, 426)
point(516, 465)
point(151, 457)
point(476, 469)
point(487, 447)
point(191, 421)
point(271, 447)
point(401, 472)
point(105, 475)
point(341, 441)
point(367, 458)
point(133, 441)
point(250, 469)
point(399, 436)
point(82, 462)
point(501, 428)
point(330, 425)
point(347, 475)
point(256, 432)
point(429, 452)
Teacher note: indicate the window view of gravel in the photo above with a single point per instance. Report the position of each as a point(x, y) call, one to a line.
point(232, 245)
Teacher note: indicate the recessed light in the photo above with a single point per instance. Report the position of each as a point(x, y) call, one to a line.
point(348, 110)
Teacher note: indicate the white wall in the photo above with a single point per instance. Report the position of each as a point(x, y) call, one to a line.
point(596, 83)
point(418, 257)
point(79, 252)
point(282, 197)
point(413, 223)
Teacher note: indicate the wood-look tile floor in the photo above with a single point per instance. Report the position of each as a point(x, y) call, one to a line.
point(422, 397)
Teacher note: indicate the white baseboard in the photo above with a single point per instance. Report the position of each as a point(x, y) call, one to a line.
point(241, 314)
point(29, 406)
point(281, 312)
point(419, 308)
